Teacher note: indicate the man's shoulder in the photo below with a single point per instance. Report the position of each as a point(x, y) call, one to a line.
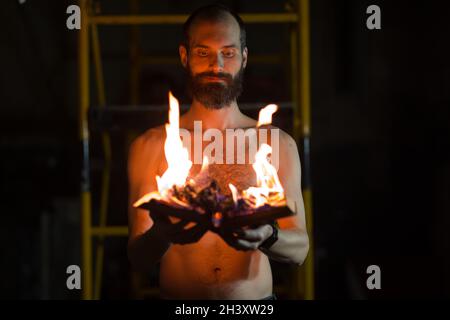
point(285, 138)
point(150, 139)
point(152, 135)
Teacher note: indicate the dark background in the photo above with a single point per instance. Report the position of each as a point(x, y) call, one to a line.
point(380, 148)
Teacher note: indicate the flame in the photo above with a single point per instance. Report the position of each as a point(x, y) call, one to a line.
point(149, 196)
point(177, 157)
point(217, 219)
point(205, 164)
point(265, 114)
point(268, 189)
point(202, 179)
point(234, 192)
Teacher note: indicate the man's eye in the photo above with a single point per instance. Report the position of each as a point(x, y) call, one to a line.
point(229, 53)
point(202, 53)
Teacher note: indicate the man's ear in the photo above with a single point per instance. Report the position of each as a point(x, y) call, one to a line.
point(244, 57)
point(183, 55)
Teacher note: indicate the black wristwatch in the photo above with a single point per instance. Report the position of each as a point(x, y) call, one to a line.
point(272, 239)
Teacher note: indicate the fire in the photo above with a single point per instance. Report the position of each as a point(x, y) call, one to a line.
point(202, 178)
point(268, 189)
point(234, 192)
point(176, 155)
point(265, 114)
point(177, 158)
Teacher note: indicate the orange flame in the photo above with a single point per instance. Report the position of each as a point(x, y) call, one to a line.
point(234, 192)
point(268, 189)
point(177, 157)
point(265, 114)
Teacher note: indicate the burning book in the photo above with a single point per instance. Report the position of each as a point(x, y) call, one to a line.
point(204, 203)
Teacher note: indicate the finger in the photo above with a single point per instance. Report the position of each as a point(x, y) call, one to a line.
point(177, 228)
point(231, 232)
point(168, 220)
point(251, 235)
point(244, 245)
point(228, 234)
point(191, 235)
point(228, 237)
point(159, 218)
point(180, 225)
point(239, 244)
point(165, 219)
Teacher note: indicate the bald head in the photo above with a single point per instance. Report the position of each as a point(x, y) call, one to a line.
point(214, 14)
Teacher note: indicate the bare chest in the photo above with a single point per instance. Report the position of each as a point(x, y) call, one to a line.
point(241, 176)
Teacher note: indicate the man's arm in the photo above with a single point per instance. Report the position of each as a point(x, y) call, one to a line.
point(146, 244)
point(293, 243)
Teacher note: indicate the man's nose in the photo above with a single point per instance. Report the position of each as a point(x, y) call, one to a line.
point(216, 62)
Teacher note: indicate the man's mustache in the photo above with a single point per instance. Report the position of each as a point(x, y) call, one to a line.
point(219, 75)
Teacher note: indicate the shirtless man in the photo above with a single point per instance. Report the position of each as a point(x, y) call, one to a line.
point(195, 263)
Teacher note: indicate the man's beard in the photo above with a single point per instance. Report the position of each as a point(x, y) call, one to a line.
point(215, 95)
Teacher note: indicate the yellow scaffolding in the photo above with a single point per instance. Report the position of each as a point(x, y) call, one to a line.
point(298, 17)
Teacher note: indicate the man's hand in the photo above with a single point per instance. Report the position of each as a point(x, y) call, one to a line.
point(247, 239)
point(178, 231)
